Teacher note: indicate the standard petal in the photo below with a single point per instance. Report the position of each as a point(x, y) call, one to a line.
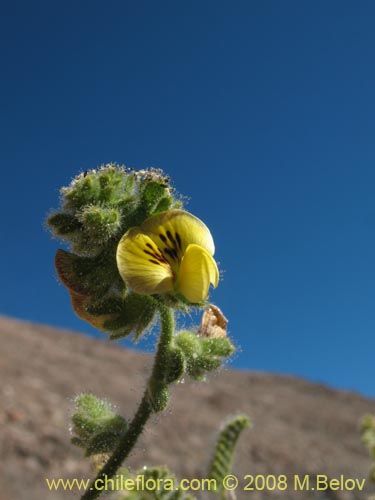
point(174, 230)
point(141, 264)
point(198, 269)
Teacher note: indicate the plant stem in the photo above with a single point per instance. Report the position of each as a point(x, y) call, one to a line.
point(166, 334)
point(145, 409)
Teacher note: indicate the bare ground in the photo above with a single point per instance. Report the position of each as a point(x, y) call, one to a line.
point(299, 427)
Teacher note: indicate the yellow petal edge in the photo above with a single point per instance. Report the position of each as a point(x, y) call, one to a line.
point(198, 269)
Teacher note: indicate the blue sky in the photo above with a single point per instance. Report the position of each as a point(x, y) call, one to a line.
point(263, 113)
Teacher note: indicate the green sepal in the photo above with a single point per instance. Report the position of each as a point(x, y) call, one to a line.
point(167, 203)
point(175, 301)
point(164, 204)
point(221, 347)
point(136, 315)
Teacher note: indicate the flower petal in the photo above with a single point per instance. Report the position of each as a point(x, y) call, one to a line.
point(174, 230)
point(80, 303)
point(198, 269)
point(141, 264)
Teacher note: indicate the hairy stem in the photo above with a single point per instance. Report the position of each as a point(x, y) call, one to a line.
point(153, 391)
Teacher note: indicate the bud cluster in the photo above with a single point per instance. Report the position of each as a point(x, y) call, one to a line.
point(97, 208)
point(196, 355)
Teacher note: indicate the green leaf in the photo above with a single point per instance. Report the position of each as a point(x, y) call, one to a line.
point(158, 396)
point(176, 365)
point(64, 225)
point(96, 427)
point(221, 461)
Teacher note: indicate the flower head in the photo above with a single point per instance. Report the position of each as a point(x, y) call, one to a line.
point(169, 253)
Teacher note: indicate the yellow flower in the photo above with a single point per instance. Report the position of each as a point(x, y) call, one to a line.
point(170, 252)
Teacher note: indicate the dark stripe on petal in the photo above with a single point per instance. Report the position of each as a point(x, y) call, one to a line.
point(172, 253)
point(170, 237)
point(178, 240)
point(149, 253)
point(162, 258)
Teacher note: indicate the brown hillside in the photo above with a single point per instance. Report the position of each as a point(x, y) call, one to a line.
point(299, 427)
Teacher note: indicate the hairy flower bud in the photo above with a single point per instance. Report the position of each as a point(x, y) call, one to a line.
point(96, 427)
point(202, 354)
